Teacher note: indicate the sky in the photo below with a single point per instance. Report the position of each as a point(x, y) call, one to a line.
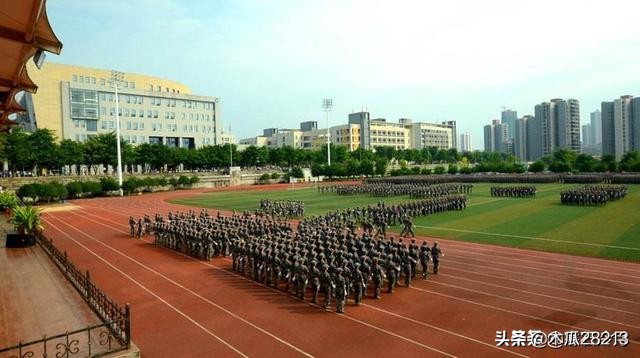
point(273, 62)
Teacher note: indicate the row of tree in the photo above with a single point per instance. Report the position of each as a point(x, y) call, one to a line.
point(40, 150)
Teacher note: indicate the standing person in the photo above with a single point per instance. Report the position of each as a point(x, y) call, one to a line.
point(341, 291)
point(132, 226)
point(140, 228)
point(328, 286)
point(436, 253)
point(408, 227)
point(425, 253)
point(358, 283)
point(378, 277)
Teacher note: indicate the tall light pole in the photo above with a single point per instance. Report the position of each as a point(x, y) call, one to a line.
point(116, 79)
point(327, 104)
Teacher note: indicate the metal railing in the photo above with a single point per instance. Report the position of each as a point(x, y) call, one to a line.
point(112, 335)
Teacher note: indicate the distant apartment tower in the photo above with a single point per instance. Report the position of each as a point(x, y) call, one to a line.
point(509, 117)
point(586, 135)
point(558, 124)
point(465, 142)
point(596, 127)
point(620, 126)
point(521, 139)
point(454, 133)
point(489, 139)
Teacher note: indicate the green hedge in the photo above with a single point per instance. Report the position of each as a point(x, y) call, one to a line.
point(46, 192)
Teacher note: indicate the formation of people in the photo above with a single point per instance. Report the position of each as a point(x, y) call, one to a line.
point(140, 227)
point(336, 254)
point(595, 195)
point(384, 189)
point(524, 191)
point(282, 208)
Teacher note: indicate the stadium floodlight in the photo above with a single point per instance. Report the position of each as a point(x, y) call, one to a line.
point(327, 105)
point(117, 78)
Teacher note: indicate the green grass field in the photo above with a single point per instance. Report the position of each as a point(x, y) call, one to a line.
point(612, 231)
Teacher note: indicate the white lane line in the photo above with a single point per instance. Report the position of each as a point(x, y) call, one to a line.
point(188, 290)
point(529, 237)
point(534, 293)
point(440, 329)
point(283, 293)
point(539, 294)
point(509, 271)
point(507, 311)
point(535, 304)
point(147, 290)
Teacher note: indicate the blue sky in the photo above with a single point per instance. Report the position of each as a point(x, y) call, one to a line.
point(272, 62)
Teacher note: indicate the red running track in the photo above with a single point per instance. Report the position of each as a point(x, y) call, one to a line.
point(191, 308)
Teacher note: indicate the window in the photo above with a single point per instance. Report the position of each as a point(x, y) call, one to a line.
point(184, 128)
point(141, 126)
point(155, 114)
point(184, 104)
point(149, 114)
point(110, 97)
point(112, 111)
point(92, 126)
point(132, 85)
point(183, 116)
point(141, 139)
point(141, 100)
point(125, 85)
point(102, 96)
point(77, 135)
point(84, 104)
point(159, 126)
point(133, 113)
point(81, 79)
point(133, 139)
point(167, 88)
point(135, 126)
point(103, 111)
point(166, 115)
point(102, 82)
point(158, 101)
point(93, 80)
point(75, 78)
point(126, 112)
point(159, 88)
point(173, 115)
point(190, 116)
point(207, 117)
point(129, 125)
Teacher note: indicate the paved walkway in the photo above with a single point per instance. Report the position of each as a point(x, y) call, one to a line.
point(36, 299)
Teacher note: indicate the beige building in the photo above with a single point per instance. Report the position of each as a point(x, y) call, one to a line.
point(347, 135)
point(79, 102)
point(425, 135)
point(386, 134)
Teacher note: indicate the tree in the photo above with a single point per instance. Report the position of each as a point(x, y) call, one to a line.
point(537, 166)
point(18, 150)
point(608, 163)
point(352, 167)
point(381, 166)
point(630, 161)
point(71, 152)
point(43, 148)
point(296, 172)
point(367, 167)
point(585, 163)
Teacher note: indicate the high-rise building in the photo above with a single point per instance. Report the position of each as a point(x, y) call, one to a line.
point(501, 136)
point(78, 102)
point(586, 135)
point(509, 117)
point(465, 142)
point(489, 138)
point(454, 132)
point(568, 124)
point(596, 128)
point(620, 126)
point(520, 140)
point(534, 134)
point(558, 125)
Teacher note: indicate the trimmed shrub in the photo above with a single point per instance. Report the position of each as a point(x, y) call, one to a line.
point(453, 169)
point(173, 182)
point(74, 189)
point(194, 179)
point(425, 171)
point(27, 191)
point(184, 180)
point(439, 170)
point(264, 178)
point(109, 184)
point(274, 176)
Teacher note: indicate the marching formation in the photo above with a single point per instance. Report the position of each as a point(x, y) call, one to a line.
point(593, 195)
point(384, 189)
point(325, 253)
point(525, 191)
point(282, 208)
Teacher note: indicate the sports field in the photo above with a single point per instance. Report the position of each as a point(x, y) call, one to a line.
point(612, 231)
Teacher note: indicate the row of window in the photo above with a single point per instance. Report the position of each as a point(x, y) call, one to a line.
point(156, 101)
point(126, 112)
point(158, 88)
point(103, 82)
point(384, 133)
